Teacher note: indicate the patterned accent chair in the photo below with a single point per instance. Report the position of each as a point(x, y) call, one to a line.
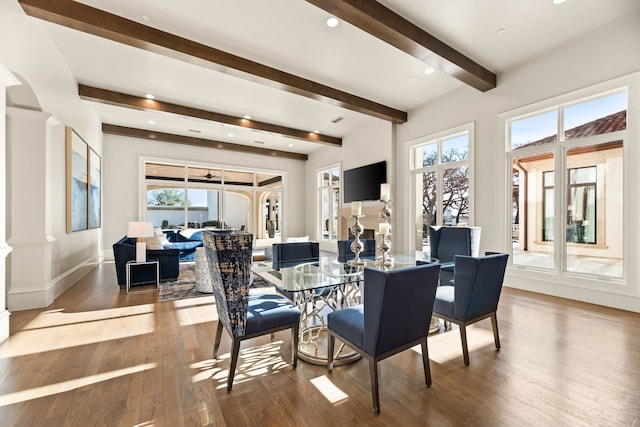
point(344, 249)
point(474, 296)
point(242, 314)
point(395, 316)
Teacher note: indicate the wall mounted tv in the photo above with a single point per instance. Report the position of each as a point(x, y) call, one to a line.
point(363, 183)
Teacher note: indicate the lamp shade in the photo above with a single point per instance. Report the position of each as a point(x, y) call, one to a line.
point(140, 229)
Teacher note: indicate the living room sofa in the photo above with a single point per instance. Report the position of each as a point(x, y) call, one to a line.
point(124, 250)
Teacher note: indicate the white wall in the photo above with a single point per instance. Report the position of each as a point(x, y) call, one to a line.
point(600, 56)
point(369, 144)
point(122, 177)
point(26, 49)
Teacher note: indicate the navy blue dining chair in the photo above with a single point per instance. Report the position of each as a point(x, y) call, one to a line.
point(395, 316)
point(474, 296)
point(444, 244)
point(242, 314)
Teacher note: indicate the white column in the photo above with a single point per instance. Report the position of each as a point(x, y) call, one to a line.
point(31, 135)
point(6, 80)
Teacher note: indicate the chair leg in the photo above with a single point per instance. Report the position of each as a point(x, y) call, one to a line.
point(496, 336)
point(373, 372)
point(235, 351)
point(465, 348)
point(216, 342)
point(295, 337)
point(331, 342)
point(425, 362)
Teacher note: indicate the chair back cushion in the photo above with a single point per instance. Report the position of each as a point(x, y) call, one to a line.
point(288, 254)
point(477, 285)
point(229, 258)
point(397, 306)
point(447, 242)
point(345, 253)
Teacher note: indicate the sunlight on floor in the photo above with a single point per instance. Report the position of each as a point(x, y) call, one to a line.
point(328, 389)
point(192, 311)
point(446, 346)
point(65, 386)
point(253, 362)
point(79, 328)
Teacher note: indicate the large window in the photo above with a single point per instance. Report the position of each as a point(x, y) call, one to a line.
point(577, 147)
point(186, 196)
point(329, 202)
point(440, 169)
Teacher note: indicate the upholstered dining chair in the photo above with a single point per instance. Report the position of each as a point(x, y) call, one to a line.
point(444, 244)
point(395, 316)
point(242, 314)
point(290, 254)
point(344, 249)
point(474, 295)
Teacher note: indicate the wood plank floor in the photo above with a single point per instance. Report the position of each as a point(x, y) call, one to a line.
point(100, 357)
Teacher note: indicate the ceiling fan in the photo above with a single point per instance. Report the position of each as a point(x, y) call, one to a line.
point(208, 175)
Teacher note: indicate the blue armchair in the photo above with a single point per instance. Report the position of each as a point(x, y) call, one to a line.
point(124, 250)
point(474, 296)
point(344, 249)
point(242, 314)
point(447, 242)
point(395, 316)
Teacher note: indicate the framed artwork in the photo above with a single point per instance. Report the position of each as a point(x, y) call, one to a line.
point(77, 153)
point(95, 176)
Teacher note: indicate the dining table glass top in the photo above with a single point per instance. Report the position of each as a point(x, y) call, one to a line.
point(306, 275)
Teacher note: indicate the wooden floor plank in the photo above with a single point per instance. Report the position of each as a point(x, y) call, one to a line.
point(100, 356)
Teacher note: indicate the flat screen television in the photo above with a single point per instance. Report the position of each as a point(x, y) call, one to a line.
point(363, 183)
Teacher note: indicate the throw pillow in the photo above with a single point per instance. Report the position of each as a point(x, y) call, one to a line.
point(298, 239)
point(164, 241)
point(153, 243)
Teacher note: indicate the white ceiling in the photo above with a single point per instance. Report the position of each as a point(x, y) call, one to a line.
point(291, 35)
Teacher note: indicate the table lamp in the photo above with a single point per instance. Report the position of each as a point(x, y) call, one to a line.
point(140, 230)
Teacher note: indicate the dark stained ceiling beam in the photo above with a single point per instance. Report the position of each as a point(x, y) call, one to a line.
point(388, 26)
point(139, 103)
point(197, 142)
point(94, 21)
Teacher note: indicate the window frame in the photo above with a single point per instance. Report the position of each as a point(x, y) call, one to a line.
point(331, 187)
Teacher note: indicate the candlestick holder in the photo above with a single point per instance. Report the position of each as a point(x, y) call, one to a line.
point(385, 212)
point(384, 260)
point(357, 246)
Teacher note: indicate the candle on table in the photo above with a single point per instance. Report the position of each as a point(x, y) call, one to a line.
point(383, 228)
point(385, 192)
point(356, 208)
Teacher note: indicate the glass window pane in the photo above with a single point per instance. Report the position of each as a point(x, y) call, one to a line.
point(238, 177)
point(455, 149)
point(324, 213)
point(595, 117)
point(335, 176)
point(324, 179)
point(429, 198)
point(204, 208)
point(165, 206)
point(213, 176)
point(269, 180)
point(594, 228)
point(455, 196)
point(164, 172)
point(533, 197)
point(333, 232)
point(535, 130)
point(427, 155)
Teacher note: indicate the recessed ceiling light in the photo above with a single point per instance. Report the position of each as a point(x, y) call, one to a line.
point(429, 70)
point(290, 145)
point(230, 135)
point(558, 1)
point(248, 117)
point(152, 122)
point(316, 131)
point(332, 22)
point(149, 96)
point(501, 31)
point(144, 17)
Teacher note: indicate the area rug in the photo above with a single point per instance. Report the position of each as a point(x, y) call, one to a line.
point(185, 286)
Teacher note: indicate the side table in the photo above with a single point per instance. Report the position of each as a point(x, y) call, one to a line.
point(151, 263)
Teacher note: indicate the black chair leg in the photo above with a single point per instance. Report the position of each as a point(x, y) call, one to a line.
point(373, 372)
point(235, 351)
point(216, 342)
point(331, 342)
point(465, 349)
point(496, 336)
point(425, 362)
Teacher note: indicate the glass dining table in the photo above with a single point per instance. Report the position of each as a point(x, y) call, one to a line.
point(320, 286)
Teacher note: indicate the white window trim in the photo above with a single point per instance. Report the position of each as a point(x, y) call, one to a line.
point(565, 283)
point(444, 134)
